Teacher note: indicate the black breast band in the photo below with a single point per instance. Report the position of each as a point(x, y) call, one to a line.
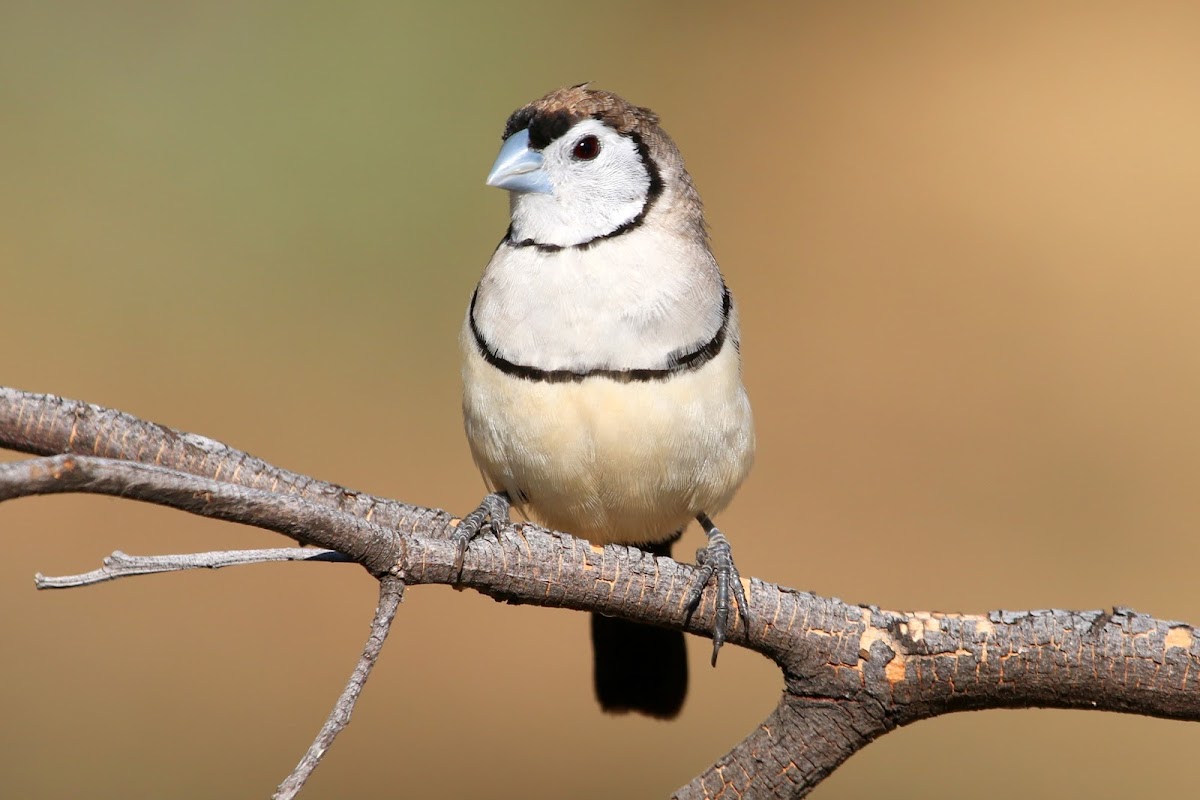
point(679, 362)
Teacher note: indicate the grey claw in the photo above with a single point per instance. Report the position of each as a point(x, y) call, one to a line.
point(495, 507)
point(717, 559)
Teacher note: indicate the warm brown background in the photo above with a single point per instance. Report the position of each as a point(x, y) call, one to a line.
point(966, 247)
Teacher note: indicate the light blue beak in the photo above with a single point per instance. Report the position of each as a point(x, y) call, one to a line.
point(518, 168)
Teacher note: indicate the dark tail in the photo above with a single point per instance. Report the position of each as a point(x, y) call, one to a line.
point(639, 667)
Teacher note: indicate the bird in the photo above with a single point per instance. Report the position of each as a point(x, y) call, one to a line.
point(602, 386)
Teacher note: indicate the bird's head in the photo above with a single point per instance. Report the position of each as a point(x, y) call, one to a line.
point(582, 165)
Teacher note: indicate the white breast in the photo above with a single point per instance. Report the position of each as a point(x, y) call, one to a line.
point(629, 302)
point(610, 461)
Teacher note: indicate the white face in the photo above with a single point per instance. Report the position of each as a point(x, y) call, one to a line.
point(599, 184)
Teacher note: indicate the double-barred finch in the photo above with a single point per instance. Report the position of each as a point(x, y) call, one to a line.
point(602, 376)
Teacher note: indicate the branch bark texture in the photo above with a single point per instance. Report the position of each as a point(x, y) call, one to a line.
point(851, 672)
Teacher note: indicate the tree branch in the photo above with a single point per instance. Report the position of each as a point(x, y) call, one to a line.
point(391, 592)
point(294, 516)
point(123, 565)
point(45, 424)
point(852, 673)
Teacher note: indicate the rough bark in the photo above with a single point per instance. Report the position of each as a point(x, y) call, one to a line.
point(851, 673)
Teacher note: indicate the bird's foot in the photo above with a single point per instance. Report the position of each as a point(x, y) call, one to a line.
point(717, 559)
point(494, 508)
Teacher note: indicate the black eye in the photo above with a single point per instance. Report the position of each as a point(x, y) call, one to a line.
point(586, 148)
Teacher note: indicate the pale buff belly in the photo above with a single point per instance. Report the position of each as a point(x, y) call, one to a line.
point(628, 463)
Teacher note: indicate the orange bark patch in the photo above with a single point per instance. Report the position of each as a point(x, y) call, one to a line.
point(1179, 637)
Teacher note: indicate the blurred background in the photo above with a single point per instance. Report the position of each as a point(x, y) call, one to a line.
point(964, 241)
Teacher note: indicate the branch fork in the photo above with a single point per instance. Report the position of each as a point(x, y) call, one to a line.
point(851, 673)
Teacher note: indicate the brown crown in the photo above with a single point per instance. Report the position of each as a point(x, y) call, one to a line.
point(553, 115)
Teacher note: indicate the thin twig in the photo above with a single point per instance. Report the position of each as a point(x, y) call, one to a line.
point(123, 565)
point(391, 592)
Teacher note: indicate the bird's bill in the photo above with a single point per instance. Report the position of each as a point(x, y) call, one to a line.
point(518, 168)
